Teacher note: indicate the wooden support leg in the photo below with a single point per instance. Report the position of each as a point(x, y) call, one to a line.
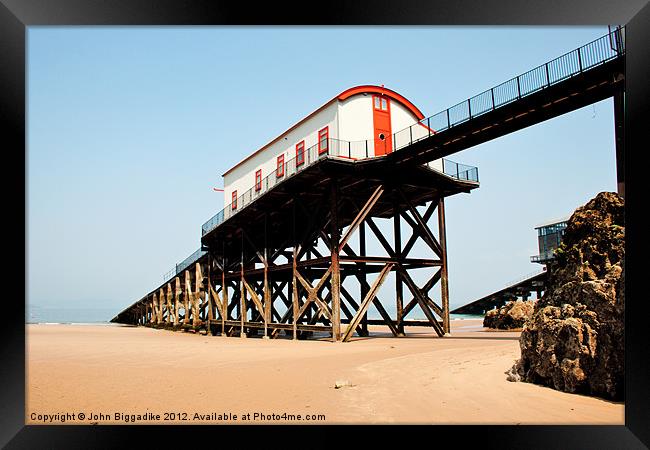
point(178, 292)
point(267, 302)
point(156, 306)
point(198, 295)
point(444, 286)
point(268, 298)
point(294, 295)
point(211, 300)
point(242, 305)
point(224, 300)
point(161, 306)
point(242, 297)
point(187, 293)
point(336, 280)
point(399, 291)
point(170, 308)
point(154, 309)
point(364, 284)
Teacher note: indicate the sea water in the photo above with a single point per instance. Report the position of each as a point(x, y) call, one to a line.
point(41, 314)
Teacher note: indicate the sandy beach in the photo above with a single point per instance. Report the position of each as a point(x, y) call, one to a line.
point(177, 377)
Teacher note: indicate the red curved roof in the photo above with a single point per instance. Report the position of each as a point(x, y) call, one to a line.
point(370, 89)
point(363, 89)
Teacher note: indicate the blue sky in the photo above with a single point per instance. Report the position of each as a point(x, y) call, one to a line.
point(129, 128)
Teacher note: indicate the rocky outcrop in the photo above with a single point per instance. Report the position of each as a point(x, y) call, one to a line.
point(511, 315)
point(574, 341)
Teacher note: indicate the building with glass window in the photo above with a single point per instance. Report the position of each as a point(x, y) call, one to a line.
point(549, 237)
point(358, 123)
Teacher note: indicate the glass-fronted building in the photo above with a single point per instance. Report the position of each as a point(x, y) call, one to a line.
point(549, 236)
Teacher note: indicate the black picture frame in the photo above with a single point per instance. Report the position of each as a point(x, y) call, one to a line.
point(16, 15)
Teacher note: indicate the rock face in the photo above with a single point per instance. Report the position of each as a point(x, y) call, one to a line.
point(574, 341)
point(511, 315)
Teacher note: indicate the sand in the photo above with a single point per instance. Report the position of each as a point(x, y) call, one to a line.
point(177, 377)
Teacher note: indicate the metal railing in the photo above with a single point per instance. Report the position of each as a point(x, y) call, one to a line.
point(595, 53)
point(543, 257)
point(590, 55)
point(459, 171)
point(335, 148)
point(181, 266)
point(169, 275)
point(189, 260)
point(524, 277)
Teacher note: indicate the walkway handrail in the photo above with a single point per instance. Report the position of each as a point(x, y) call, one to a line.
point(524, 278)
point(181, 266)
point(590, 55)
point(335, 148)
point(586, 57)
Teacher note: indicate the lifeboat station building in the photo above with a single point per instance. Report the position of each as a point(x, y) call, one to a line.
point(344, 213)
point(319, 227)
point(356, 124)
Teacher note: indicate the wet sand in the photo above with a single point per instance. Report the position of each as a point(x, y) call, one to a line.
point(177, 377)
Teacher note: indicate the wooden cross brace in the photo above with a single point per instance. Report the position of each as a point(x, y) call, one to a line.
point(422, 300)
point(370, 296)
point(218, 300)
point(361, 216)
point(421, 228)
point(255, 298)
point(312, 295)
point(380, 308)
point(425, 290)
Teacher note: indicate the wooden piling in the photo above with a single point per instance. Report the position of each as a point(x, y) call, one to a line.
point(335, 282)
point(444, 285)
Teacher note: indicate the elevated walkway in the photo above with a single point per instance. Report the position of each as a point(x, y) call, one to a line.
point(276, 214)
point(521, 288)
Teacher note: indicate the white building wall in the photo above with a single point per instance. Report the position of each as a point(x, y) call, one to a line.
point(356, 124)
point(242, 178)
point(400, 116)
point(350, 120)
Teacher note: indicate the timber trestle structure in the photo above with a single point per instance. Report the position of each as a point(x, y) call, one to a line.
point(296, 262)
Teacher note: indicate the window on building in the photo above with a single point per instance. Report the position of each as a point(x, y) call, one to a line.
point(300, 153)
point(279, 172)
point(258, 180)
point(380, 103)
point(323, 140)
point(233, 205)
